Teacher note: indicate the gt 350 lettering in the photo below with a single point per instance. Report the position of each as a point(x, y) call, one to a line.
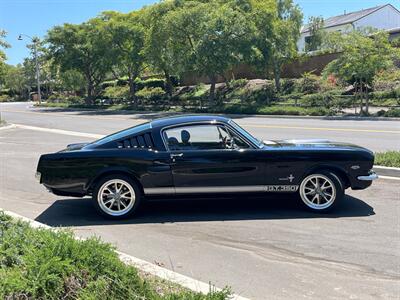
point(281, 188)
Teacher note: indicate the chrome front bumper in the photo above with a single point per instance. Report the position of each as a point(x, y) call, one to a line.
point(370, 177)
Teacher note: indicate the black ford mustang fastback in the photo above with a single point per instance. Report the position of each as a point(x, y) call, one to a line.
point(202, 155)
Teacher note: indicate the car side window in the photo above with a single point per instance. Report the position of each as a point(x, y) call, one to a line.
point(237, 141)
point(197, 137)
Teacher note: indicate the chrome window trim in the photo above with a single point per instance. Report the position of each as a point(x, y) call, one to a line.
point(257, 146)
point(213, 122)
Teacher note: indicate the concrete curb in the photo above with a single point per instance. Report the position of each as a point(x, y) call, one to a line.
point(387, 171)
point(147, 267)
point(10, 126)
point(387, 168)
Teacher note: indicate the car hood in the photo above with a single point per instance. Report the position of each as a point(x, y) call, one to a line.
point(312, 144)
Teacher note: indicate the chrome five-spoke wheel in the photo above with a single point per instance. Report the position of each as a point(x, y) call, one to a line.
point(116, 196)
point(319, 191)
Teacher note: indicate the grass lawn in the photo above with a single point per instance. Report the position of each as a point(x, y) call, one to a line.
point(388, 159)
point(45, 264)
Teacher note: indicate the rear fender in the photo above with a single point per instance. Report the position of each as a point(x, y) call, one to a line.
point(108, 171)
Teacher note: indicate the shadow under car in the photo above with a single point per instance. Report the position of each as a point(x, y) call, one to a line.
point(81, 212)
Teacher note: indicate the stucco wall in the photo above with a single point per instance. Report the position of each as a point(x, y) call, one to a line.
point(384, 18)
point(301, 43)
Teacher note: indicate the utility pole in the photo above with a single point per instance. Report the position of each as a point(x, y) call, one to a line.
point(35, 42)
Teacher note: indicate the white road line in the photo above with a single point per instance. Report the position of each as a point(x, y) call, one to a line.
point(7, 127)
point(60, 131)
point(387, 168)
point(389, 177)
point(163, 273)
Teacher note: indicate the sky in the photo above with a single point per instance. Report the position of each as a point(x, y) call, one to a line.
point(35, 17)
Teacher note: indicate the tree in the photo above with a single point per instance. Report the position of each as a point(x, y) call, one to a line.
point(82, 48)
point(286, 32)
point(3, 45)
point(159, 43)
point(363, 55)
point(126, 33)
point(277, 31)
point(209, 37)
point(262, 16)
point(72, 81)
point(48, 74)
point(15, 80)
point(315, 39)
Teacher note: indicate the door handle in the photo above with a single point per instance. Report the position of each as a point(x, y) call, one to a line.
point(175, 155)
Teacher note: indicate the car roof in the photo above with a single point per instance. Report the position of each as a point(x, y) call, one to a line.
point(176, 120)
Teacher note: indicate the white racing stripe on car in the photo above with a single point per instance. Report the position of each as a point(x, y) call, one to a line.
point(153, 269)
point(60, 131)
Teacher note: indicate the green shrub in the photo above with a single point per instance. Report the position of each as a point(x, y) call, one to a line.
point(116, 92)
point(387, 80)
point(320, 99)
point(62, 98)
point(288, 86)
point(108, 83)
point(5, 98)
point(385, 102)
point(297, 111)
point(175, 80)
point(45, 264)
point(387, 94)
point(236, 83)
point(75, 99)
point(193, 94)
point(150, 83)
point(151, 95)
point(308, 83)
point(388, 159)
point(262, 96)
point(393, 113)
point(238, 108)
point(329, 99)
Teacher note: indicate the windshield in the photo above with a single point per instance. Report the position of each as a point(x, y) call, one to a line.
point(123, 133)
point(245, 134)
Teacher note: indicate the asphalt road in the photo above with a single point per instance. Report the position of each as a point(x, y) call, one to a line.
point(264, 248)
point(375, 135)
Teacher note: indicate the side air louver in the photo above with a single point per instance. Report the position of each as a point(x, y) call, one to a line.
point(139, 141)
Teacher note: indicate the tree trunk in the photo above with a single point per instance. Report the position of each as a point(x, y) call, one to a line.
point(277, 76)
point(212, 89)
point(362, 111)
point(89, 98)
point(168, 83)
point(366, 101)
point(132, 91)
